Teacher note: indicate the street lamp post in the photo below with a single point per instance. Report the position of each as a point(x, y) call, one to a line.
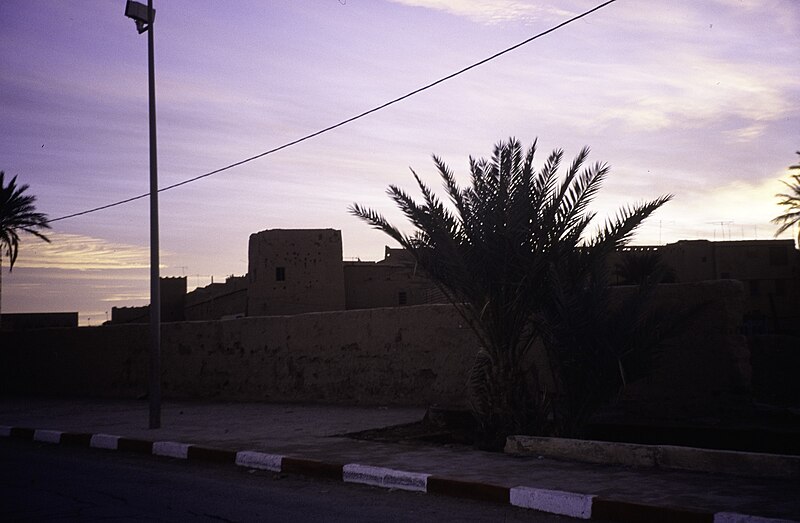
point(144, 15)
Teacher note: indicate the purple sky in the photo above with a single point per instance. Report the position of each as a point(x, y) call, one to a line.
point(699, 99)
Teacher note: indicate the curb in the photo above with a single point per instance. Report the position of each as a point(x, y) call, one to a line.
point(674, 457)
point(571, 504)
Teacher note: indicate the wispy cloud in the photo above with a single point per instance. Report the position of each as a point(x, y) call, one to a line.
point(695, 90)
point(127, 297)
point(79, 252)
point(748, 133)
point(491, 12)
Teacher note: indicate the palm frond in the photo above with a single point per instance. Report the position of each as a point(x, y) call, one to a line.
point(618, 232)
point(18, 214)
point(377, 221)
point(791, 201)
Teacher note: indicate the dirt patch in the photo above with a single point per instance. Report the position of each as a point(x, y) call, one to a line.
point(438, 427)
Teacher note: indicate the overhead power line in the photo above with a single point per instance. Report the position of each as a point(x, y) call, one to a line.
point(343, 122)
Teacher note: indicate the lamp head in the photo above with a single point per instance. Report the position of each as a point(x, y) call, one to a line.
point(141, 14)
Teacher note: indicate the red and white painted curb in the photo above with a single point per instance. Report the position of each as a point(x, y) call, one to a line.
point(571, 504)
point(385, 478)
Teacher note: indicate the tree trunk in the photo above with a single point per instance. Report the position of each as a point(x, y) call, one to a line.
point(504, 400)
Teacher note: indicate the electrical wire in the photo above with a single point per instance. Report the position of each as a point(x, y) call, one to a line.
point(343, 122)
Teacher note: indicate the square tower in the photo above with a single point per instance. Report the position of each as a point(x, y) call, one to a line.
point(293, 271)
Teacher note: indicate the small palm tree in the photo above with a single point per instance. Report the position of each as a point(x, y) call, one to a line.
point(17, 214)
point(510, 254)
point(791, 200)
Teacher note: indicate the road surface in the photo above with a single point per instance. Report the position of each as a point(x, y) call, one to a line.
point(42, 482)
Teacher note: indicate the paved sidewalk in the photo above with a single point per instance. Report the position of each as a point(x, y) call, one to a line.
point(308, 432)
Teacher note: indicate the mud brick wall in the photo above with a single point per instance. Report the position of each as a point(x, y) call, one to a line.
point(416, 355)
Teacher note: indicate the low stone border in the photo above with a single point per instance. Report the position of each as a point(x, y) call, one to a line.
point(751, 464)
point(576, 505)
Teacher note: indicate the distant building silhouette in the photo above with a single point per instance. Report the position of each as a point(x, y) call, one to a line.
point(394, 281)
point(769, 270)
point(295, 271)
point(218, 300)
point(173, 303)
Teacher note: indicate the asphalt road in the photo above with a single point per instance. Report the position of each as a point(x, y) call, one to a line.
point(42, 482)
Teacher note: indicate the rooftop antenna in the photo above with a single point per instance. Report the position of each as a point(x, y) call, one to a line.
point(722, 224)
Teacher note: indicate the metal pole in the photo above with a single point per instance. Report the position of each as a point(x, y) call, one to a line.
point(155, 283)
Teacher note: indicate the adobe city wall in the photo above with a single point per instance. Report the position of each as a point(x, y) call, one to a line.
point(413, 355)
point(393, 356)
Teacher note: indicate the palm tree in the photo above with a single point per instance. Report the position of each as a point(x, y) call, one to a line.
point(510, 255)
point(17, 214)
point(792, 202)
